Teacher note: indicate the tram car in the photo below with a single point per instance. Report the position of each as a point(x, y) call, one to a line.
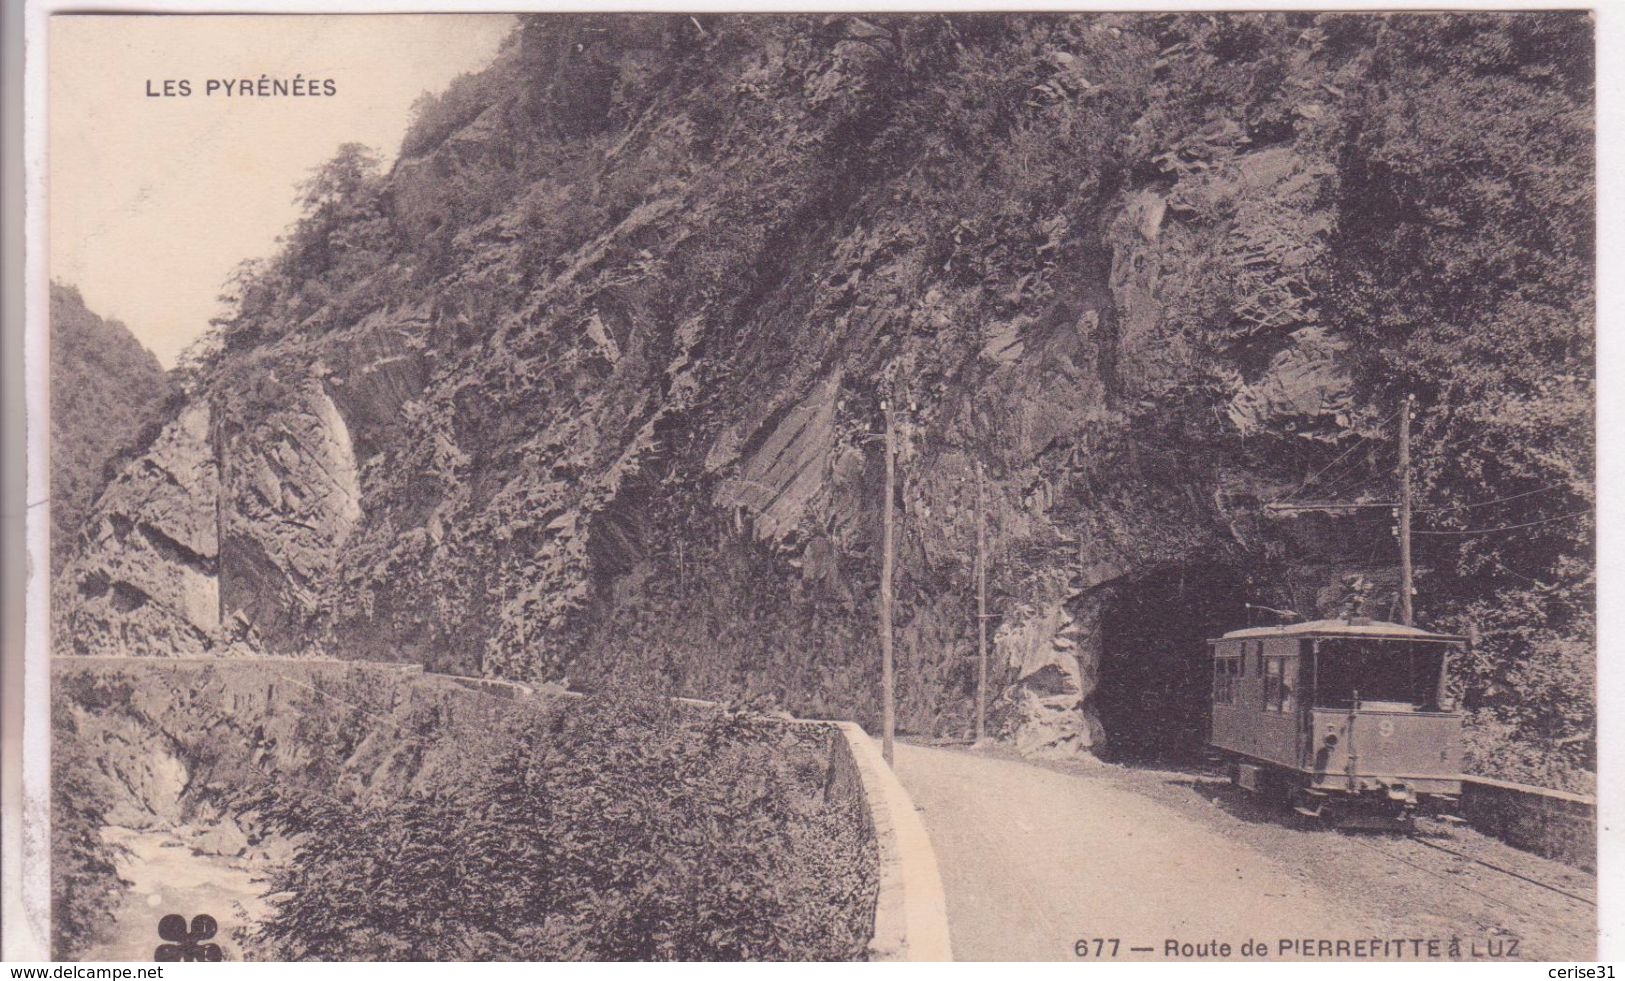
point(1345, 720)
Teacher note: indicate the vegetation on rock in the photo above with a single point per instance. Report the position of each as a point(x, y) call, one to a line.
point(85, 884)
point(613, 832)
point(612, 335)
point(104, 388)
point(416, 819)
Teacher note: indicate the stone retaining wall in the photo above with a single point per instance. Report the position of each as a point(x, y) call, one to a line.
point(911, 912)
point(1547, 822)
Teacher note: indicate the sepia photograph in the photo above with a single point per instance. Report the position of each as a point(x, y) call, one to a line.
point(1075, 486)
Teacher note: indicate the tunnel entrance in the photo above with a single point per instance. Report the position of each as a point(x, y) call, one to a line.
point(1152, 697)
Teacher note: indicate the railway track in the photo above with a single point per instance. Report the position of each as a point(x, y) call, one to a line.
point(1392, 855)
point(1504, 871)
point(1415, 837)
point(1453, 882)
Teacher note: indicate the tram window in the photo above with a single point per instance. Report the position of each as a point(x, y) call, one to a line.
point(1225, 672)
point(1280, 682)
point(1378, 671)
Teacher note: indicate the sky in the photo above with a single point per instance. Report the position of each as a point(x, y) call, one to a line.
point(155, 200)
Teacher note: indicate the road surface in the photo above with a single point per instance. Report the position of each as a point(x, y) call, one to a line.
point(1034, 860)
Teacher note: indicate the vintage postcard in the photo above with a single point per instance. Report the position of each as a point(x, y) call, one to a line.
point(1066, 486)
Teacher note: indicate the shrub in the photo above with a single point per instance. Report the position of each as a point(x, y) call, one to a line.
point(85, 885)
point(615, 831)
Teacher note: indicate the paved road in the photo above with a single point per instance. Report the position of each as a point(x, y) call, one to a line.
point(1034, 860)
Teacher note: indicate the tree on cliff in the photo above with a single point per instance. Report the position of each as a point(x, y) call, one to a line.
point(341, 235)
point(104, 387)
point(1463, 264)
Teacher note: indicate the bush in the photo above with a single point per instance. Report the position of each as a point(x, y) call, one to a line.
point(1495, 747)
point(615, 831)
point(85, 885)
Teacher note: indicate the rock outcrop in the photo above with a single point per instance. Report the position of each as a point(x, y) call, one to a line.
point(591, 382)
point(104, 388)
point(146, 577)
point(291, 497)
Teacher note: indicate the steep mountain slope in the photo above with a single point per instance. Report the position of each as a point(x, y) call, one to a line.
point(104, 387)
point(589, 383)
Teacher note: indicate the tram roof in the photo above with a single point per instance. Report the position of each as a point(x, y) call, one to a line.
point(1380, 629)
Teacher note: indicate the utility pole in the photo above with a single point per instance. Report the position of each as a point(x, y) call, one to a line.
point(888, 705)
point(1401, 510)
point(981, 610)
point(1407, 615)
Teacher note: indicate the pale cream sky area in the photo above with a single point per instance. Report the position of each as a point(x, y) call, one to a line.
point(154, 201)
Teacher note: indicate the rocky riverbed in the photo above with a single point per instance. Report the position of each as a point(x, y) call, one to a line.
point(181, 870)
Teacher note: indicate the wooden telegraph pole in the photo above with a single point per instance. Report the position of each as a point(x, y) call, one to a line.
point(1407, 614)
point(981, 610)
point(1401, 510)
point(888, 705)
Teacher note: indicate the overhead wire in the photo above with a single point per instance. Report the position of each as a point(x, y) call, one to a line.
point(1515, 573)
point(1329, 486)
point(1348, 478)
point(1345, 478)
point(1498, 500)
point(1486, 531)
point(1336, 460)
point(1351, 477)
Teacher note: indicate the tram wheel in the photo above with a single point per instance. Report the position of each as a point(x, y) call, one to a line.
point(1331, 815)
point(1312, 812)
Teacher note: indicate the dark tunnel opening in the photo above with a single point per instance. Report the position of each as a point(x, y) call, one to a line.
point(1152, 697)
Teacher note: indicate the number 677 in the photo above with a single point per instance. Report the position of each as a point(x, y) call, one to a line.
point(1096, 948)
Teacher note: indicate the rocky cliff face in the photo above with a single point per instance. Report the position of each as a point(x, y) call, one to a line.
point(104, 387)
point(146, 576)
point(184, 741)
point(590, 383)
